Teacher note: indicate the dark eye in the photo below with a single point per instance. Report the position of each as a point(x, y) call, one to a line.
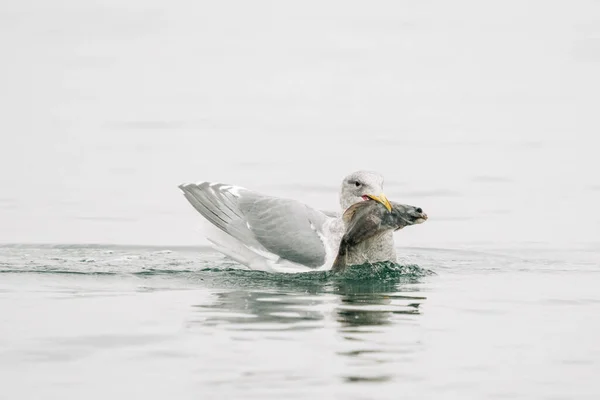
point(357, 184)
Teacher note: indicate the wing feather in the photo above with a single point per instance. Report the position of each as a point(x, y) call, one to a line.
point(284, 228)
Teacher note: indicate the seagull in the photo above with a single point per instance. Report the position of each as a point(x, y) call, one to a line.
point(277, 234)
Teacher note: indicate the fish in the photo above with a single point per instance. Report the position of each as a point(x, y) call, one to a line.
point(365, 221)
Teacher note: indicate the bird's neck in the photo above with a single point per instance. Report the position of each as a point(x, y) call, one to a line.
point(387, 246)
point(376, 249)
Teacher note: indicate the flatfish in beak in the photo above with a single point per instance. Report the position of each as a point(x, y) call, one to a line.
point(365, 222)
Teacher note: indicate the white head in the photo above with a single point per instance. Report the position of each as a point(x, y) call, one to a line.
point(360, 186)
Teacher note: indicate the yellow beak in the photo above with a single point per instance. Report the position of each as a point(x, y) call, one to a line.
point(382, 199)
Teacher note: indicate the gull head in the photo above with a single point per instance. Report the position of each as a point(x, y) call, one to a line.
point(360, 186)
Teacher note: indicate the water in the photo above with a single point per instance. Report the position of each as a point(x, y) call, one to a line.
point(151, 322)
point(485, 115)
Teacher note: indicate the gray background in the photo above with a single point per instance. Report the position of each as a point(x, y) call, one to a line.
point(483, 113)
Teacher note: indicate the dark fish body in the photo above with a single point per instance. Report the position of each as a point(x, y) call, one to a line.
point(366, 222)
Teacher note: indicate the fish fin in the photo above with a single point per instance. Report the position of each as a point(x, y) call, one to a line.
point(337, 265)
point(350, 211)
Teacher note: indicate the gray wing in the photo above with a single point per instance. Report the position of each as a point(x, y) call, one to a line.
point(286, 228)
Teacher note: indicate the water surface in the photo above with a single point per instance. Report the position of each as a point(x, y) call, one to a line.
point(99, 321)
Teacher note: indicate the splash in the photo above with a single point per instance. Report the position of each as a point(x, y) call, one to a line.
point(382, 271)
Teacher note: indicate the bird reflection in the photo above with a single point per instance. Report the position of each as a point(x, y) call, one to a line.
point(267, 302)
point(361, 313)
point(373, 303)
point(299, 304)
point(262, 310)
point(367, 307)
